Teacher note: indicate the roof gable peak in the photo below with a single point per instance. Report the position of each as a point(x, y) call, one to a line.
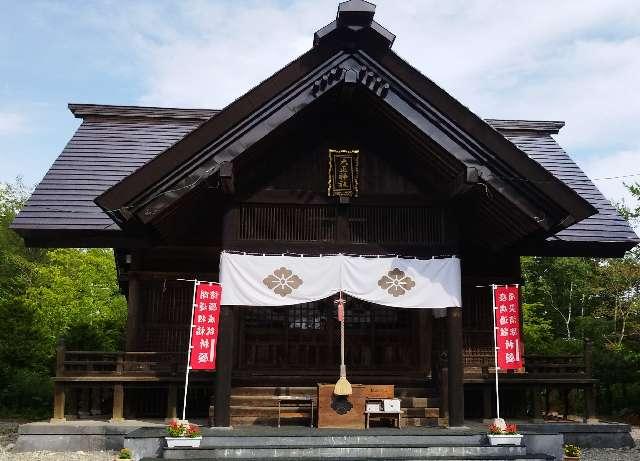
point(354, 25)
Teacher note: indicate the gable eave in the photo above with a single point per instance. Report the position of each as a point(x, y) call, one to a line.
point(178, 168)
point(181, 153)
point(483, 133)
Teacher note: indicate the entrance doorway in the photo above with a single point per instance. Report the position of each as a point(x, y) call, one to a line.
point(302, 343)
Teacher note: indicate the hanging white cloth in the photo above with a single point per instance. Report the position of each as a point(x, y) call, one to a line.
point(254, 280)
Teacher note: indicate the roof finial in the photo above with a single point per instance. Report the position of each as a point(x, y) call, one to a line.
point(356, 13)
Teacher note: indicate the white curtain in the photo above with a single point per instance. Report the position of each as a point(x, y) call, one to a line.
point(254, 280)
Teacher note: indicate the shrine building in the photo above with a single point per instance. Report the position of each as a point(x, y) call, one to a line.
point(346, 173)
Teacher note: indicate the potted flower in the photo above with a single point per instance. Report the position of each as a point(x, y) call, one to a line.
point(125, 453)
point(183, 434)
point(507, 436)
point(572, 452)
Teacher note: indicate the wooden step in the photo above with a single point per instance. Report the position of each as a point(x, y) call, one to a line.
point(258, 400)
point(420, 402)
point(420, 422)
point(421, 412)
point(269, 421)
point(272, 390)
point(408, 392)
point(301, 411)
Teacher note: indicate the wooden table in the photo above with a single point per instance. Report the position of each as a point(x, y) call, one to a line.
point(395, 415)
point(348, 411)
point(305, 399)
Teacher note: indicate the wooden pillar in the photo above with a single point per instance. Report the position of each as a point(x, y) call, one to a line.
point(444, 386)
point(118, 403)
point(423, 332)
point(58, 388)
point(172, 399)
point(455, 366)
point(117, 413)
point(224, 349)
point(224, 367)
point(133, 308)
point(58, 403)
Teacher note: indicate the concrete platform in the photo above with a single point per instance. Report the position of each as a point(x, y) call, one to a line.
point(592, 435)
point(146, 439)
point(83, 435)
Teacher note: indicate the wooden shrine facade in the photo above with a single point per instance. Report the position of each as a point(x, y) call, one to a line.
point(169, 189)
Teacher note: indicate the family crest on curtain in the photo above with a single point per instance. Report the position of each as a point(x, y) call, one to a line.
point(257, 280)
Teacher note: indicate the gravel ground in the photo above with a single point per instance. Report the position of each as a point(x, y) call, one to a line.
point(9, 435)
point(615, 454)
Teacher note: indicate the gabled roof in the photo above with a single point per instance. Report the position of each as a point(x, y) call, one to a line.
point(111, 143)
point(352, 51)
point(111, 146)
point(125, 157)
point(607, 227)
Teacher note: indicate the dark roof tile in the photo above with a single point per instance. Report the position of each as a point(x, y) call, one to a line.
point(101, 152)
point(114, 141)
point(607, 224)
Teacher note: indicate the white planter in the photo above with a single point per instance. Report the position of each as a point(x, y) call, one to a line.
point(504, 439)
point(181, 442)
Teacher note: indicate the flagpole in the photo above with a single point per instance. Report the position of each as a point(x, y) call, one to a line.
point(495, 347)
point(186, 378)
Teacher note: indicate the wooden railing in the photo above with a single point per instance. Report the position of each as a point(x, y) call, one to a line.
point(95, 370)
point(88, 369)
point(98, 363)
point(480, 360)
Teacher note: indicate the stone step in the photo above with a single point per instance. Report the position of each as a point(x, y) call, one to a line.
point(532, 457)
point(358, 451)
point(338, 437)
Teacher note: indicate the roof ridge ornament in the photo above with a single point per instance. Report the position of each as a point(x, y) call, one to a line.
point(353, 27)
point(355, 14)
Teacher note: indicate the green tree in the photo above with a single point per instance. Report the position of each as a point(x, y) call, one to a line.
point(46, 295)
point(562, 289)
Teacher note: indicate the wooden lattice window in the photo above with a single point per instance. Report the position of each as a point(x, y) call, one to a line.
point(289, 223)
point(308, 316)
point(422, 226)
point(417, 225)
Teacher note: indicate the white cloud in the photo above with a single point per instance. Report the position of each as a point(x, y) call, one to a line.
point(575, 60)
point(12, 123)
point(228, 49)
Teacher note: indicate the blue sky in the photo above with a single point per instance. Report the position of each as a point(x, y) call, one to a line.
point(575, 60)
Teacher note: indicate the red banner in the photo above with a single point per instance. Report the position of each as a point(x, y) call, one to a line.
point(204, 334)
point(507, 303)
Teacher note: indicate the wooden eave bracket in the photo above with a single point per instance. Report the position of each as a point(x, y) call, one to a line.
point(227, 178)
